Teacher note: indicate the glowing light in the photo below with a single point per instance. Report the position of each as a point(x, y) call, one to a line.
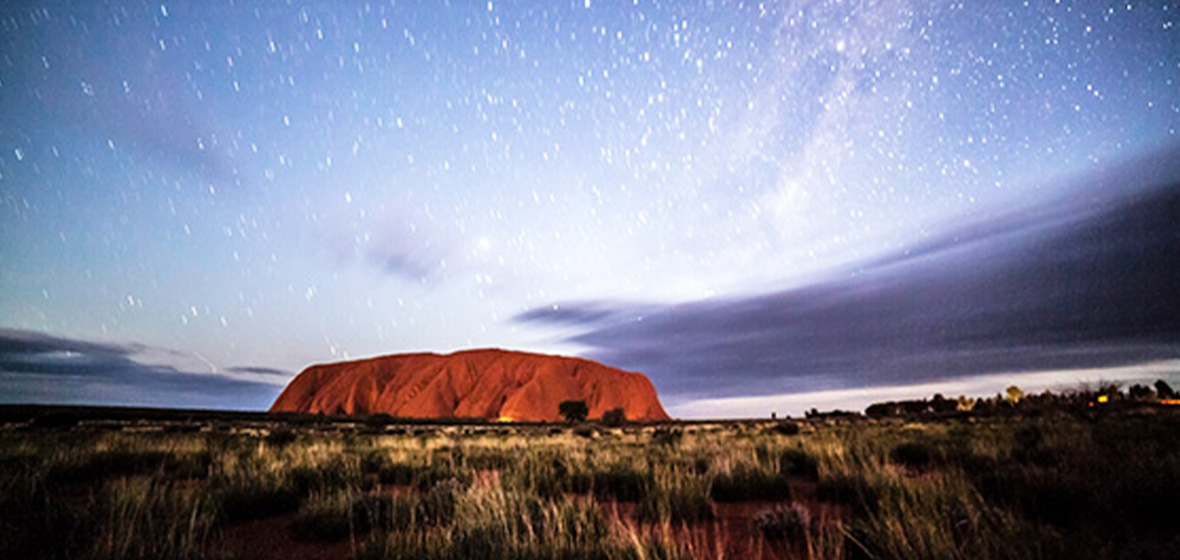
point(504, 419)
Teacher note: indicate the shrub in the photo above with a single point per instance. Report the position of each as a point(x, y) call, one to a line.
point(423, 477)
point(850, 490)
point(785, 428)
point(327, 517)
point(622, 482)
point(614, 417)
point(483, 459)
point(746, 483)
point(586, 432)
point(796, 462)
point(334, 475)
point(252, 495)
point(116, 463)
point(676, 497)
point(1062, 498)
point(666, 436)
point(400, 474)
point(373, 462)
point(573, 411)
point(281, 437)
point(784, 522)
point(913, 455)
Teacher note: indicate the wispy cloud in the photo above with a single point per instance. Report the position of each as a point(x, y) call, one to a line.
point(1061, 285)
point(36, 367)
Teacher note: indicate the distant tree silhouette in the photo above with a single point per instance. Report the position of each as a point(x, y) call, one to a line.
point(573, 411)
point(1139, 392)
point(1014, 394)
point(1164, 390)
point(614, 417)
point(965, 403)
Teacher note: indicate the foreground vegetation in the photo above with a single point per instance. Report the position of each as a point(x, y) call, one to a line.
point(1050, 484)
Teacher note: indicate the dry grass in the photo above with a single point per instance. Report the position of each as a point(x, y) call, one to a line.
point(1051, 486)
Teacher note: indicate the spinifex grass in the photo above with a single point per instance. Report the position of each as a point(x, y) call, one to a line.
point(1053, 485)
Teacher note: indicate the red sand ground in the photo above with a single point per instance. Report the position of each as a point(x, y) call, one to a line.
point(491, 384)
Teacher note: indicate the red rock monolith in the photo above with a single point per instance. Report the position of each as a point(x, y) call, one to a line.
point(487, 384)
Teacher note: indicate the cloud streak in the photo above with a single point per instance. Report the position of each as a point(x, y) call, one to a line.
point(36, 367)
point(1086, 280)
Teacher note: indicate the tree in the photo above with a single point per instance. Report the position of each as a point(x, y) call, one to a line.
point(965, 403)
point(1164, 390)
point(614, 417)
point(573, 411)
point(1139, 392)
point(1014, 394)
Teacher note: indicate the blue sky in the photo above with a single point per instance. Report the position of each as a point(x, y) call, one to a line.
point(207, 197)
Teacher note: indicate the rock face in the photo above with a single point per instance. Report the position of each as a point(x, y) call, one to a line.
point(491, 384)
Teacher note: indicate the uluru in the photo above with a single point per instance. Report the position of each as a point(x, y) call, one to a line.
point(479, 384)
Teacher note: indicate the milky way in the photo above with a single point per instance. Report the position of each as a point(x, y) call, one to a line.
point(217, 194)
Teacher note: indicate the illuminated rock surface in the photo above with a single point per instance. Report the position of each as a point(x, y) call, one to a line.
point(490, 384)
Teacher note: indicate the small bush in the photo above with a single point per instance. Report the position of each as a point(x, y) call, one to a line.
point(113, 463)
point(785, 428)
point(746, 483)
point(675, 497)
point(373, 461)
point(1062, 498)
point(914, 455)
point(325, 478)
point(622, 483)
point(666, 436)
point(327, 517)
point(586, 432)
point(399, 474)
point(796, 462)
point(281, 437)
point(784, 522)
point(614, 417)
point(253, 496)
point(849, 490)
point(423, 477)
point(485, 459)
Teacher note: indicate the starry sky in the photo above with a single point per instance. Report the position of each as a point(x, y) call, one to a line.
point(750, 202)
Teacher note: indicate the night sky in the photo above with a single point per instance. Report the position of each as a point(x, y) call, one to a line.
point(762, 206)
